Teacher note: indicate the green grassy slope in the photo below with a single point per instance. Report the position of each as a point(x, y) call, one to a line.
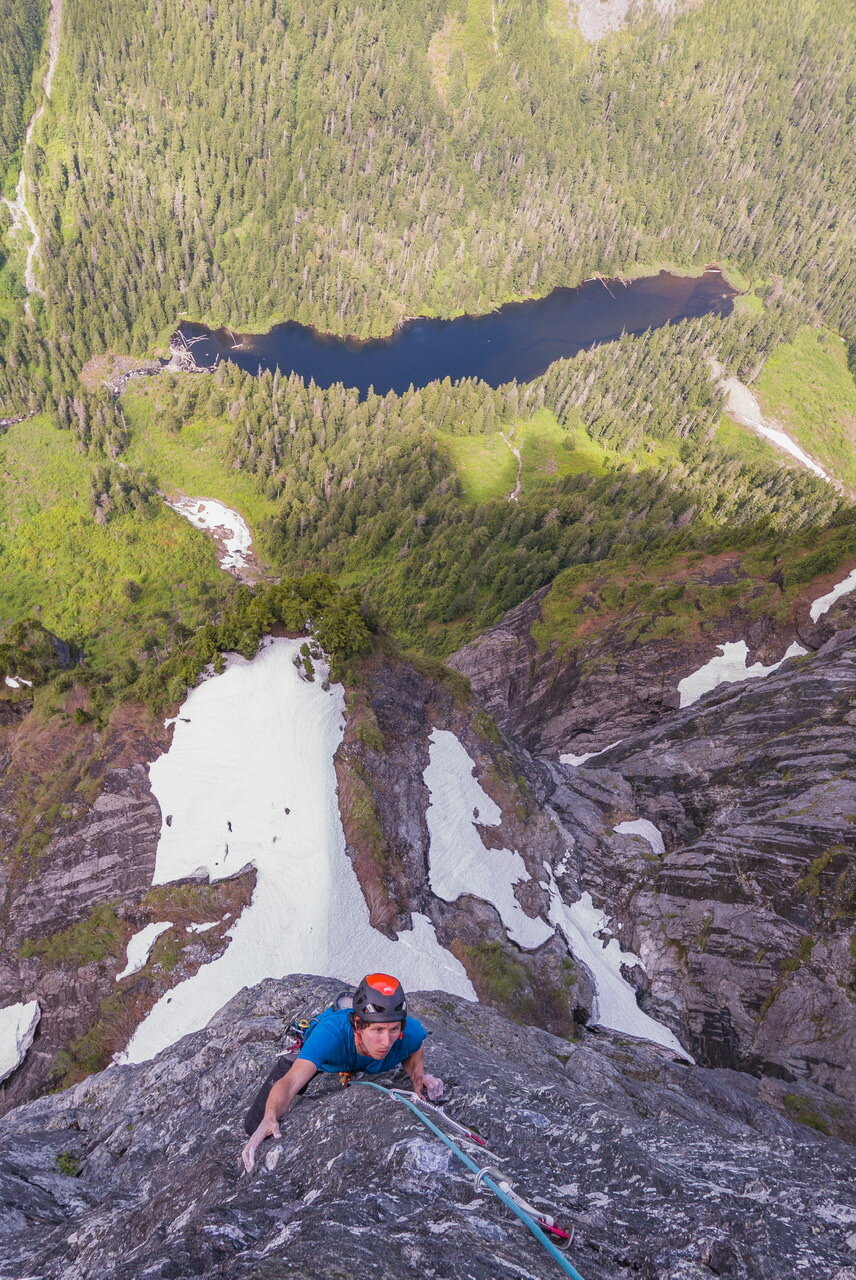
point(807, 386)
point(690, 595)
point(195, 459)
point(60, 565)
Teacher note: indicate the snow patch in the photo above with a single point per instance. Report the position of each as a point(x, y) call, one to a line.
point(568, 758)
point(597, 18)
point(729, 667)
point(140, 947)
point(642, 827)
point(824, 603)
point(616, 1005)
point(247, 745)
point(18, 682)
point(210, 516)
point(459, 861)
point(202, 928)
point(18, 1024)
point(742, 406)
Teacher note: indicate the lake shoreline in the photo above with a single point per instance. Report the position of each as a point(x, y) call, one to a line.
point(515, 342)
point(641, 271)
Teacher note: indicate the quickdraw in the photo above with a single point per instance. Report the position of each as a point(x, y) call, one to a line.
point(469, 1135)
point(563, 1238)
point(537, 1222)
point(295, 1035)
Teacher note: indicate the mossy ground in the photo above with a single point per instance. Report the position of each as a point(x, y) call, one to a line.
point(97, 936)
point(487, 468)
point(687, 594)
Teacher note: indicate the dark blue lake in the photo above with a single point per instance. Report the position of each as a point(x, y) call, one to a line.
point(515, 343)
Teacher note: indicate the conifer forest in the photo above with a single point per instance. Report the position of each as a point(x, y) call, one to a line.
point(349, 167)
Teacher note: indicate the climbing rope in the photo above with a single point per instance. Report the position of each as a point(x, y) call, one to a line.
point(484, 1177)
point(467, 1135)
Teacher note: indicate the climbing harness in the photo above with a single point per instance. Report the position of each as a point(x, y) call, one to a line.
point(532, 1218)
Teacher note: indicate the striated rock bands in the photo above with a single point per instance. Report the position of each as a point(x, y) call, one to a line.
point(746, 921)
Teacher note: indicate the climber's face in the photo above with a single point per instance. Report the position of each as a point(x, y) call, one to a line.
point(375, 1039)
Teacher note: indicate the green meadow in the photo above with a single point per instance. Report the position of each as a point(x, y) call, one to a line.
point(807, 387)
point(137, 580)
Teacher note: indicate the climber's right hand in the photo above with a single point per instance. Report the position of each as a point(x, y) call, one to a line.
point(269, 1128)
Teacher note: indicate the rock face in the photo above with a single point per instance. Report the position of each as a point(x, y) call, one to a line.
point(79, 829)
point(381, 763)
point(667, 1172)
point(741, 924)
point(624, 678)
point(745, 922)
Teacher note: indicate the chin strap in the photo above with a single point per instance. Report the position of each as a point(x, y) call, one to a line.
point(501, 1187)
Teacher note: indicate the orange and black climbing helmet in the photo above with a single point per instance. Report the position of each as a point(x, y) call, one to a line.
point(380, 998)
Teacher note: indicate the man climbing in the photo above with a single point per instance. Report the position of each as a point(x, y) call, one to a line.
point(373, 1035)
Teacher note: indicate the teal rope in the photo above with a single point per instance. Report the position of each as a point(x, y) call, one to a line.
point(486, 1178)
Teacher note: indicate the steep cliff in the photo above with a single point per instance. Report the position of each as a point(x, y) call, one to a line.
point(745, 921)
point(79, 828)
point(665, 1171)
point(384, 799)
point(599, 656)
point(704, 865)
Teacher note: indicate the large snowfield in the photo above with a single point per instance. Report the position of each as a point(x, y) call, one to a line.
point(459, 861)
point(249, 778)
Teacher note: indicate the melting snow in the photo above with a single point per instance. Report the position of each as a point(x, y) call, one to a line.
point(140, 947)
point(824, 603)
point(727, 668)
point(18, 1024)
point(209, 515)
point(202, 928)
point(741, 405)
point(616, 1005)
point(642, 827)
point(459, 861)
point(18, 682)
point(589, 755)
point(249, 745)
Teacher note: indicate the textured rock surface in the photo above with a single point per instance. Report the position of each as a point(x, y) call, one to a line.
point(667, 1172)
point(626, 679)
point(79, 828)
point(385, 767)
point(742, 925)
point(745, 923)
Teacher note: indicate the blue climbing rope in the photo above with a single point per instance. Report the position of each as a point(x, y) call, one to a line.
point(484, 1177)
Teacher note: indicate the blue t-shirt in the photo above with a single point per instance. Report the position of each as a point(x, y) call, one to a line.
point(330, 1045)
